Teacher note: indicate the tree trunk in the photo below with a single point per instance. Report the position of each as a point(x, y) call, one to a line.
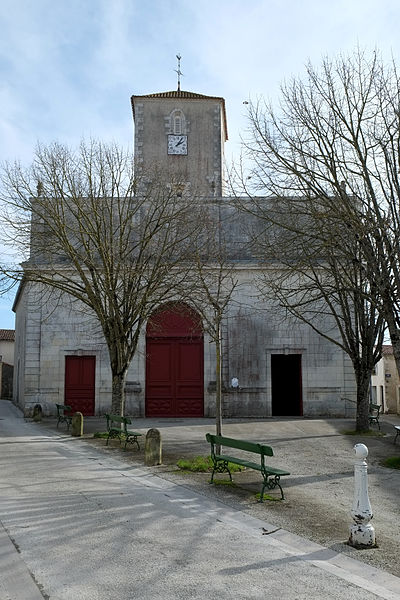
point(363, 383)
point(218, 373)
point(118, 394)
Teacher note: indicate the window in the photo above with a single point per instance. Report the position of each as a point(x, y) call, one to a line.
point(177, 127)
point(176, 123)
point(373, 394)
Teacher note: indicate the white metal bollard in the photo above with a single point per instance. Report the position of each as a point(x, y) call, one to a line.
point(362, 533)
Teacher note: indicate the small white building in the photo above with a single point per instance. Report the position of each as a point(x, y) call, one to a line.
point(7, 341)
point(385, 382)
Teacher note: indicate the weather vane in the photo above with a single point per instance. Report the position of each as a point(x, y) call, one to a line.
point(178, 70)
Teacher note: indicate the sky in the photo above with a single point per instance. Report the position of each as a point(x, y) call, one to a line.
point(69, 67)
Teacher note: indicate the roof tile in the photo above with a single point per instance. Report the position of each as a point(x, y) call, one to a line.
point(7, 335)
point(186, 96)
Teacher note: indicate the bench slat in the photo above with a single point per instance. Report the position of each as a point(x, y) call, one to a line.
point(251, 465)
point(64, 415)
point(271, 475)
point(238, 461)
point(117, 429)
point(245, 445)
point(130, 436)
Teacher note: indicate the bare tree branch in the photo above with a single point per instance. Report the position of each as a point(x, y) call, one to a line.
point(327, 165)
point(117, 245)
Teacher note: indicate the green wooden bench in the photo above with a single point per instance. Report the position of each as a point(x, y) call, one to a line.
point(64, 415)
point(117, 427)
point(271, 475)
point(374, 412)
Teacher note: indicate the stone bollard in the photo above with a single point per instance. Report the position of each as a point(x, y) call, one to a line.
point(77, 424)
point(37, 413)
point(362, 533)
point(153, 448)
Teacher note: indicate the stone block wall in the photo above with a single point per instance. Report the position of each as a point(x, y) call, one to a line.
point(252, 333)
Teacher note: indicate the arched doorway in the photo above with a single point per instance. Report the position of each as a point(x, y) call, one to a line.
point(174, 363)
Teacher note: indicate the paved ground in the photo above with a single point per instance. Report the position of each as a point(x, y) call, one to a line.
point(79, 522)
point(319, 492)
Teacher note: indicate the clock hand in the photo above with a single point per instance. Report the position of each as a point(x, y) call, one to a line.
point(179, 143)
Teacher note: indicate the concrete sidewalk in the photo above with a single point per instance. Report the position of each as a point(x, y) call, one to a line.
point(319, 492)
point(79, 523)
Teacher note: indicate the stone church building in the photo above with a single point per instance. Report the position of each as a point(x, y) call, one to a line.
point(278, 368)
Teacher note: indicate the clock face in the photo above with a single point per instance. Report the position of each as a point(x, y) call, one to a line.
point(177, 144)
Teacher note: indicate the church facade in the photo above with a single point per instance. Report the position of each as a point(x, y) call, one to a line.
point(271, 366)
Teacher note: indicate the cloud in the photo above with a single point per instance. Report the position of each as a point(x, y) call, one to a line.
point(68, 68)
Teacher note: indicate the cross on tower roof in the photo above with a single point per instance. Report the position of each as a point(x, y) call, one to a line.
point(178, 70)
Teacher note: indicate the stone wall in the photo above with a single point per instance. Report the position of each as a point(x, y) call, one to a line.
point(252, 332)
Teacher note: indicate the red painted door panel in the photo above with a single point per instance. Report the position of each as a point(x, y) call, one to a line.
point(174, 377)
point(159, 378)
point(174, 363)
point(80, 384)
point(189, 378)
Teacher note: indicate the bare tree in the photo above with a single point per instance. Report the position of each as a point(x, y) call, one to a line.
point(118, 245)
point(330, 156)
point(314, 280)
point(215, 280)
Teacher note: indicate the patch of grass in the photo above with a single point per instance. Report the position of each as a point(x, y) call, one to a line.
point(101, 434)
point(366, 433)
point(203, 464)
point(198, 464)
point(392, 462)
point(268, 497)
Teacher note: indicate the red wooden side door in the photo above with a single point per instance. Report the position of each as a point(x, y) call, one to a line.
point(80, 384)
point(174, 377)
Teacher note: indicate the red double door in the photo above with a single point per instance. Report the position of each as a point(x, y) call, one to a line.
point(174, 364)
point(80, 384)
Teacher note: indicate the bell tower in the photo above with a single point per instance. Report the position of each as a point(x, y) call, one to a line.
point(182, 133)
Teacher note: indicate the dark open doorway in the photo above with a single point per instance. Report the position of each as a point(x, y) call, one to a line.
point(287, 398)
